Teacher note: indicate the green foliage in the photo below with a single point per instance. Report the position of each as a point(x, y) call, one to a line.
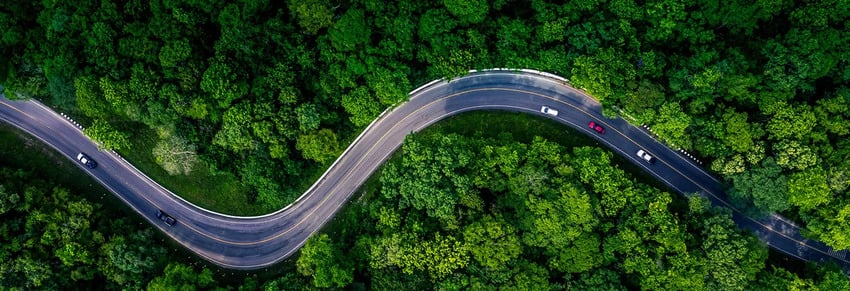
point(312, 15)
point(735, 81)
point(257, 173)
point(594, 225)
point(106, 136)
point(308, 117)
point(591, 164)
point(468, 11)
point(789, 121)
point(174, 53)
point(671, 125)
point(235, 133)
point(127, 261)
point(793, 155)
point(56, 239)
point(360, 104)
point(116, 94)
point(739, 135)
point(456, 64)
point(733, 260)
point(90, 99)
point(8, 201)
point(321, 259)
point(321, 146)
point(430, 179)
point(644, 100)
point(220, 81)
point(351, 31)
point(833, 113)
point(604, 74)
point(437, 257)
point(182, 277)
point(834, 280)
point(290, 282)
point(176, 155)
point(808, 189)
point(492, 243)
point(765, 186)
point(390, 87)
point(600, 279)
point(729, 166)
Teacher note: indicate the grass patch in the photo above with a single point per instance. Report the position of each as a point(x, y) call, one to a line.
point(217, 192)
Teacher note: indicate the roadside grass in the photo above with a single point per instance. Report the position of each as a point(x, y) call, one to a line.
point(220, 192)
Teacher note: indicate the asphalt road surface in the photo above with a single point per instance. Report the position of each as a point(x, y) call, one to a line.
point(257, 242)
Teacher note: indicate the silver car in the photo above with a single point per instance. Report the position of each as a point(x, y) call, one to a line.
point(645, 156)
point(86, 160)
point(550, 111)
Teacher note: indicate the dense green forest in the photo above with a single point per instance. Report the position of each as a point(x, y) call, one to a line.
point(449, 212)
point(268, 93)
point(53, 239)
point(456, 212)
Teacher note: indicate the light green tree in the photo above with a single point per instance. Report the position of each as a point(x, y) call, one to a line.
point(312, 15)
point(808, 189)
point(789, 121)
point(793, 155)
point(182, 277)
point(671, 125)
point(468, 11)
point(323, 261)
point(174, 52)
point(235, 132)
point(492, 242)
point(321, 146)
point(106, 136)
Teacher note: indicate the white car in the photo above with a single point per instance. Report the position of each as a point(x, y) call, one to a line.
point(645, 156)
point(86, 160)
point(550, 111)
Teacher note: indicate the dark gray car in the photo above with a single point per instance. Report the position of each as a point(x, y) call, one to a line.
point(165, 218)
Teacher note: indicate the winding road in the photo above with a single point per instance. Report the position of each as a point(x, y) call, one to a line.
point(260, 241)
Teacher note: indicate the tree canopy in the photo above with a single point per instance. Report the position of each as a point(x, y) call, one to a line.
point(269, 91)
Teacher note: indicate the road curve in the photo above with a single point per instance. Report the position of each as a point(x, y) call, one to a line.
point(256, 242)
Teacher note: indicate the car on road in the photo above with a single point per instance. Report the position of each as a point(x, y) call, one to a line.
point(596, 127)
point(645, 156)
point(550, 111)
point(165, 218)
point(86, 160)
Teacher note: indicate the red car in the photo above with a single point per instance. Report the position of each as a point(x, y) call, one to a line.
point(596, 127)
